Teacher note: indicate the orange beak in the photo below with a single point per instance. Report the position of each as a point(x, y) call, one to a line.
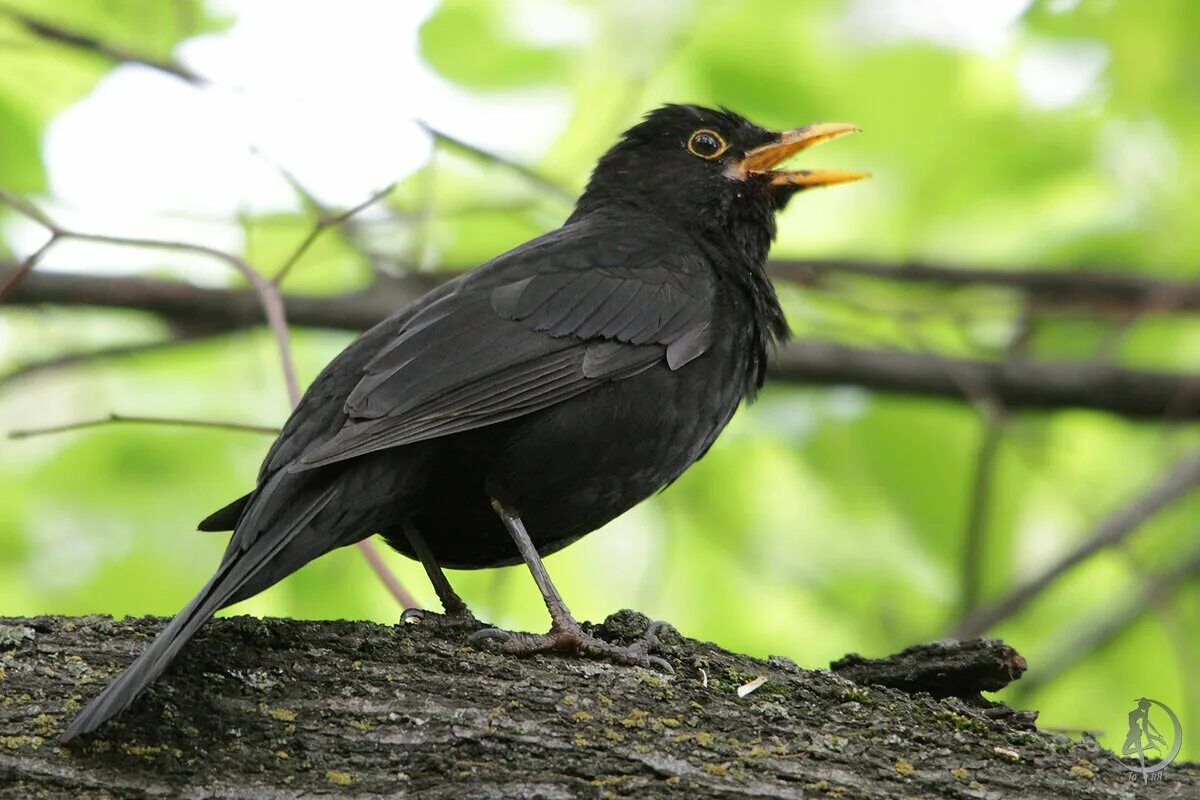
point(761, 160)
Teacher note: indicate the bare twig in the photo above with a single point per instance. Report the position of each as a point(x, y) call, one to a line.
point(269, 299)
point(995, 419)
point(27, 433)
point(78, 40)
point(978, 507)
point(88, 356)
point(523, 170)
point(371, 553)
point(25, 208)
point(1155, 589)
point(1182, 479)
point(267, 292)
point(325, 220)
point(25, 267)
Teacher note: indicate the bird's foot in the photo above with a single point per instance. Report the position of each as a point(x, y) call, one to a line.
point(571, 638)
point(454, 618)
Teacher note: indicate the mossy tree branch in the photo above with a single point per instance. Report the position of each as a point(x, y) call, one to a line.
point(281, 708)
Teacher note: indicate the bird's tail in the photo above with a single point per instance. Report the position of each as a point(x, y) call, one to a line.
point(241, 574)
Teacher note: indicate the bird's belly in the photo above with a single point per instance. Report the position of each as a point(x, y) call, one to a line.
point(571, 468)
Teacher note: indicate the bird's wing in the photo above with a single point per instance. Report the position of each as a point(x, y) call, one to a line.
point(542, 324)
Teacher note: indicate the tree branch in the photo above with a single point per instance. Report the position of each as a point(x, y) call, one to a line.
point(78, 40)
point(85, 357)
point(1016, 385)
point(1181, 480)
point(1092, 288)
point(525, 171)
point(325, 220)
point(26, 433)
point(943, 669)
point(194, 305)
point(1155, 589)
point(978, 508)
point(266, 293)
point(343, 708)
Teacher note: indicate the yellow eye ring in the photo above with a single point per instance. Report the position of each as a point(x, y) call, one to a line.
point(706, 143)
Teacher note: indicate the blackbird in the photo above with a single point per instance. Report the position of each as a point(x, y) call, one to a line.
point(521, 405)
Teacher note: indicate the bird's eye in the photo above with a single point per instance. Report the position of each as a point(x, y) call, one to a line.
point(706, 144)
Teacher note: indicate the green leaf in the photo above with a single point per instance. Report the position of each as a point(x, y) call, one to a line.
point(468, 42)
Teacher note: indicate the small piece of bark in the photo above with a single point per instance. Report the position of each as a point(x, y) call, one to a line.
point(943, 669)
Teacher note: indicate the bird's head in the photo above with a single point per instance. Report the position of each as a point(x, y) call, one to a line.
point(710, 170)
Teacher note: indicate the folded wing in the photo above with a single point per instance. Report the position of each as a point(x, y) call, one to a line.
point(540, 325)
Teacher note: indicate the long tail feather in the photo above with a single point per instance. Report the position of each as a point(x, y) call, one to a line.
point(234, 573)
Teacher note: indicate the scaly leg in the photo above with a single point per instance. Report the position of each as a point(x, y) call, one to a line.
point(565, 634)
point(456, 610)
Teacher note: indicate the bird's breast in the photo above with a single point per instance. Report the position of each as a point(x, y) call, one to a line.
point(571, 468)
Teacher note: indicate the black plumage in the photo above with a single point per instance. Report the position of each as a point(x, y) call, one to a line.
point(525, 404)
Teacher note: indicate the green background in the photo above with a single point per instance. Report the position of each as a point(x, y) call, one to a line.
point(826, 520)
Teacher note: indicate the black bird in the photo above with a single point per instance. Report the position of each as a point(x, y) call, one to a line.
point(522, 405)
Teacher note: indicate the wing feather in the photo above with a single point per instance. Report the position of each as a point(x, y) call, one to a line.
point(504, 343)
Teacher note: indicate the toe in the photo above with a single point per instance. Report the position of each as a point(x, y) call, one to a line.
point(649, 639)
point(488, 635)
point(660, 664)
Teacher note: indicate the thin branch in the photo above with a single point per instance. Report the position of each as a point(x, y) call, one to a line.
point(1182, 479)
point(371, 553)
point(309, 199)
point(345, 220)
point(323, 223)
point(268, 297)
point(1155, 590)
point(78, 359)
point(267, 292)
point(25, 267)
point(52, 32)
point(185, 304)
point(27, 433)
point(1016, 385)
point(523, 170)
point(995, 420)
point(25, 208)
point(979, 505)
point(1093, 287)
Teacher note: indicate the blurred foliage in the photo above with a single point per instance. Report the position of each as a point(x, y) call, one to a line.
point(826, 520)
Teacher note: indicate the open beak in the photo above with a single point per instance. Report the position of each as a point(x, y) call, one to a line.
point(761, 160)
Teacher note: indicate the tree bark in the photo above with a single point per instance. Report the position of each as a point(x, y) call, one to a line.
point(284, 708)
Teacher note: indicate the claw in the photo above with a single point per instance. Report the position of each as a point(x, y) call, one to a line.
point(649, 640)
point(488, 634)
point(663, 665)
point(572, 639)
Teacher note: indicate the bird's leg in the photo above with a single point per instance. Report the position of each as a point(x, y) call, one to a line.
point(565, 633)
point(456, 610)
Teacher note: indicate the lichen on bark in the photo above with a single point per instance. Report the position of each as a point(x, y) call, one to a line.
point(285, 708)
